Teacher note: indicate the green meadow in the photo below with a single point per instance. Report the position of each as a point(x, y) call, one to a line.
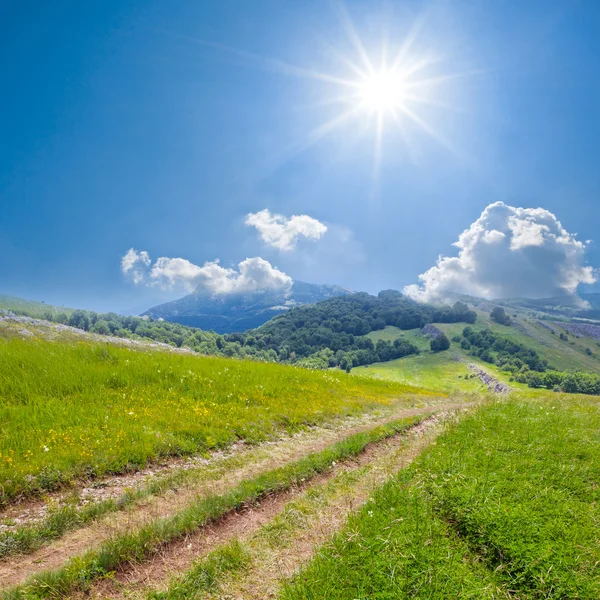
point(448, 371)
point(504, 505)
point(81, 409)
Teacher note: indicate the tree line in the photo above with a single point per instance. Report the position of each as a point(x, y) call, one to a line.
point(502, 351)
point(571, 382)
point(327, 334)
point(340, 324)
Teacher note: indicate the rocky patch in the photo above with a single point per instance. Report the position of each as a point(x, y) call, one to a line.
point(492, 383)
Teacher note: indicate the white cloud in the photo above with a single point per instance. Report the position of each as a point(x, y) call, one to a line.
point(509, 252)
point(282, 232)
point(251, 275)
point(134, 264)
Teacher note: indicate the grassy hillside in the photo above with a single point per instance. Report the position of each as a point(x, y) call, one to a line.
point(448, 370)
point(444, 371)
point(30, 307)
point(505, 505)
point(81, 408)
point(560, 354)
point(441, 372)
point(501, 501)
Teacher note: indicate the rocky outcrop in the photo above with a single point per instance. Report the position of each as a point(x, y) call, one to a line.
point(431, 330)
point(582, 330)
point(492, 383)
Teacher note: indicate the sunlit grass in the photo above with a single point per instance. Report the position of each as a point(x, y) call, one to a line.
point(83, 409)
point(135, 546)
point(504, 505)
point(440, 371)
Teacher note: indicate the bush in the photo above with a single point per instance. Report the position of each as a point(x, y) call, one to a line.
point(439, 343)
point(499, 315)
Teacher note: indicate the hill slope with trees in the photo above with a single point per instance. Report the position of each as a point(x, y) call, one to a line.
point(330, 333)
point(240, 312)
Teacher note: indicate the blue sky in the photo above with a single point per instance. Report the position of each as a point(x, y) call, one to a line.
point(160, 126)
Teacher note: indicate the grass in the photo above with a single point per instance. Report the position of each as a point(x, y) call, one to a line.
point(70, 516)
point(269, 543)
point(60, 520)
point(519, 482)
point(505, 504)
point(444, 371)
point(82, 409)
point(31, 307)
point(526, 330)
point(441, 372)
point(138, 545)
point(206, 574)
point(394, 547)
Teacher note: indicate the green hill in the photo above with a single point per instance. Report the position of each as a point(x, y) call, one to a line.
point(250, 479)
point(31, 308)
point(448, 370)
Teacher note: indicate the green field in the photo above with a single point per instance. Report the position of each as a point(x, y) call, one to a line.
point(560, 354)
point(30, 307)
point(501, 500)
point(448, 372)
point(505, 505)
point(84, 409)
point(441, 372)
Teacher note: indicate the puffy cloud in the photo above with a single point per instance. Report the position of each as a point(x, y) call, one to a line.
point(509, 252)
point(134, 264)
point(282, 232)
point(252, 274)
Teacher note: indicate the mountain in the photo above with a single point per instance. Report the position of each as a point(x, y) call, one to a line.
point(586, 306)
point(238, 312)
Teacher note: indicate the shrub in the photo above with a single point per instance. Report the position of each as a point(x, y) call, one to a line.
point(439, 343)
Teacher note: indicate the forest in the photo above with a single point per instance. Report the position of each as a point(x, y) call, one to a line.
point(333, 329)
point(502, 351)
point(326, 334)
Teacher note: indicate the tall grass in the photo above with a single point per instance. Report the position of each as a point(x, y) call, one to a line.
point(394, 547)
point(83, 409)
point(506, 504)
point(519, 482)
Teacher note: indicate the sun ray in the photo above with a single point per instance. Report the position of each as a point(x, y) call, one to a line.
point(405, 137)
point(426, 127)
point(378, 151)
point(409, 40)
point(335, 53)
point(353, 36)
point(270, 64)
point(433, 102)
point(317, 133)
point(443, 78)
point(420, 65)
point(369, 88)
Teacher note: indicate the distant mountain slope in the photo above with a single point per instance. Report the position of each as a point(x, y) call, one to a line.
point(239, 312)
point(31, 307)
point(586, 308)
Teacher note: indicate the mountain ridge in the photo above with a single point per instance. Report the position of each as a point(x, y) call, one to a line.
point(238, 312)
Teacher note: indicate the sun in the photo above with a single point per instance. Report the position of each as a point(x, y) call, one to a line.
point(395, 87)
point(382, 92)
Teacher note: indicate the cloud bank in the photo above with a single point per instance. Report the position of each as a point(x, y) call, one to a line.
point(252, 274)
point(509, 252)
point(282, 232)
